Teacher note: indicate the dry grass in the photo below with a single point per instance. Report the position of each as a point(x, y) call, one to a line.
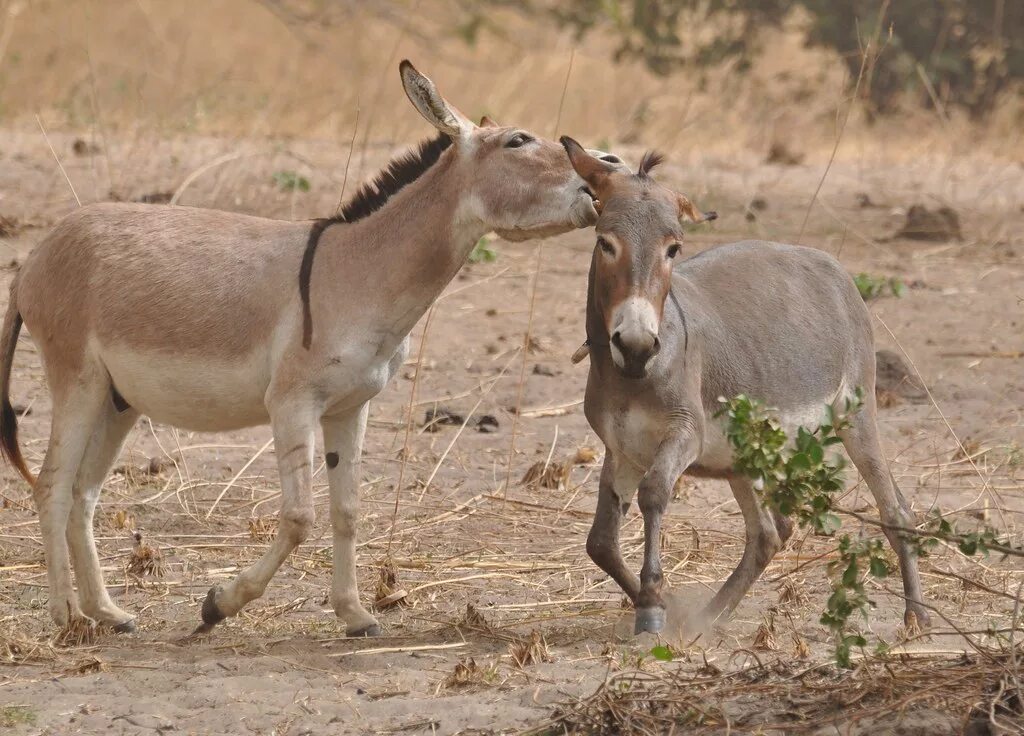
point(982, 689)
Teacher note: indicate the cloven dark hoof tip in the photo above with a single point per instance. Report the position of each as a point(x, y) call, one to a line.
point(649, 620)
point(371, 630)
point(126, 627)
point(211, 614)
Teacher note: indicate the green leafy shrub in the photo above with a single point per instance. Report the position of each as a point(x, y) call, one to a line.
point(872, 287)
point(482, 252)
point(288, 181)
point(801, 480)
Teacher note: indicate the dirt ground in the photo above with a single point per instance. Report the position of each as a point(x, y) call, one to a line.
point(507, 623)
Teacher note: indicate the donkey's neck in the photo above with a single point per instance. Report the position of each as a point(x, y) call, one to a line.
point(400, 258)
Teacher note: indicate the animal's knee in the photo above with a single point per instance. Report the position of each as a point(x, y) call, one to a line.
point(784, 527)
point(297, 524)
point(766, 546)
point(599, 547)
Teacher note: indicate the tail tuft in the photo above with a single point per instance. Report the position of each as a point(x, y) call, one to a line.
point(9, 441)
point(8, 417)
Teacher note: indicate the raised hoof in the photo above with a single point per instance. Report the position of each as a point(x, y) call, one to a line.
point(211, 614)
point(371, 630)
point(126, 627)
point(650, 620)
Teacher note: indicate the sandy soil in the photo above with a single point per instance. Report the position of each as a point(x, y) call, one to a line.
point(516, 554)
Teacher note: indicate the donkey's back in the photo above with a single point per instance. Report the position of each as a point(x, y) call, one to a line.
point(780, 322)
point(154, 275)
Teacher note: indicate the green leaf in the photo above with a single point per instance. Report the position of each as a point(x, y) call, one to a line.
point(482, 252)
point(829, 524)
point(662, 653)
point(879, 567)
point(849, 578)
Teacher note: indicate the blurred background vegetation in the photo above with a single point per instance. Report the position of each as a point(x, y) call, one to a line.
point(925, 52)
point(709, 75)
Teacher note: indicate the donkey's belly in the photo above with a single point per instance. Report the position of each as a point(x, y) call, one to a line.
point(190, 392)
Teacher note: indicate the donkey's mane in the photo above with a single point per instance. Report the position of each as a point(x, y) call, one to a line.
point(648, 162)
point(401, 170)
point(370, 197)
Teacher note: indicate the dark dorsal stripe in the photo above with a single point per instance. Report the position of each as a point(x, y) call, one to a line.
point(369, 198)
point(305, 273)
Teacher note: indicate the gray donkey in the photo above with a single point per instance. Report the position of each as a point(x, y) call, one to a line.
point(781, 323)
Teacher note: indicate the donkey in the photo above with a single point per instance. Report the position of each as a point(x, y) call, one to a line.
point(779, 322)
point(192, 317)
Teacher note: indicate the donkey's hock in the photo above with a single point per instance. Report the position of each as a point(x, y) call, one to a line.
point(254, 322)
point(666, 338)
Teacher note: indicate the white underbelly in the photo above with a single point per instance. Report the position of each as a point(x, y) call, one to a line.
point(635, 433)
point(716, 452)
point(192, 393)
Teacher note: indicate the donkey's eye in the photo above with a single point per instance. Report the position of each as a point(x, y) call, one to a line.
point(673, 250)
point(518, 140)
point(606, 246)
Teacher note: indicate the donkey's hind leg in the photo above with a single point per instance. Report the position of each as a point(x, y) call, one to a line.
point(861, 442)
point(104, 446)
point(78, 399)
point(765, 537)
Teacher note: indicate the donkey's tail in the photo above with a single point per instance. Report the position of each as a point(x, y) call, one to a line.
point(8, 417)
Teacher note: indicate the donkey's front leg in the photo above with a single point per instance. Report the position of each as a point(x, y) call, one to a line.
point(343, 446)
point(674, 455)
point(618, 483)
point(293, 424)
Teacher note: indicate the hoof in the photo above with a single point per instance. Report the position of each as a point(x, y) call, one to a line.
point(917, 619)
point(126, 627)
point(371, 630)
point(650, 620)
point(211, 614)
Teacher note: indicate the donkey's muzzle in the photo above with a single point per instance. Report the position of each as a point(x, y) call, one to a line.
point(637, 349)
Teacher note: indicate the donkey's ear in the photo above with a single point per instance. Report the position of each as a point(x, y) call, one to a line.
point(432, 106)
point(687, 211)
point(487, 122)
point(591, 169)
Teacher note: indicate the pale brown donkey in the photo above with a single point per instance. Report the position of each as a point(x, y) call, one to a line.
point(212, 321)
point(667, 338)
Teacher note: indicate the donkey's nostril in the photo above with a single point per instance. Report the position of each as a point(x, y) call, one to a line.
point(617, 340)
point(657, 346)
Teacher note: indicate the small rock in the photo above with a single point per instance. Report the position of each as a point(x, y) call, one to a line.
point(434, 418)
point(922, 223)
point(758, 203)
point(81, 147)
point(780, 153)
point(487, 423)
point(864, 200)
point(895, 381)
point(8, 227)
point(155, 198)
point(542, 370)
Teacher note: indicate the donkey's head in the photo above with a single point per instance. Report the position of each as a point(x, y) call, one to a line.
point(639, 236)
point(518, 184)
